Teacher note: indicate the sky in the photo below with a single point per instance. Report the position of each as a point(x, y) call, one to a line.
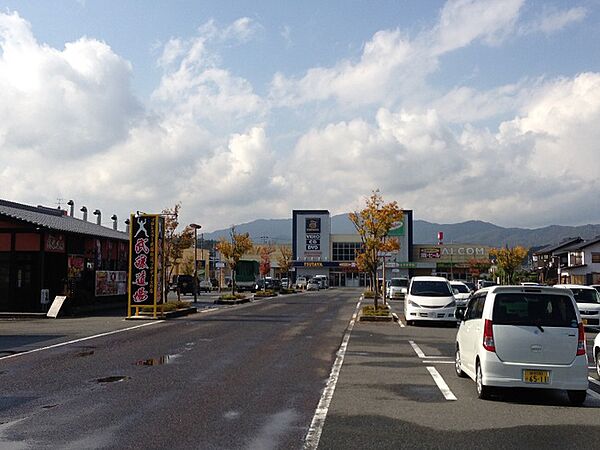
point(459, 110)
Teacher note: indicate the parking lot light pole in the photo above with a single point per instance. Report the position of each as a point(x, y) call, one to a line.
point(196, 227)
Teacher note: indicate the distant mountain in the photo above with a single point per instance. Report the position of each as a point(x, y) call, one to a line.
point(471, 232)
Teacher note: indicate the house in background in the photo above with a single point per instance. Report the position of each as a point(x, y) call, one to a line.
point(547, 260)
point(46, 252)
point(580, 262)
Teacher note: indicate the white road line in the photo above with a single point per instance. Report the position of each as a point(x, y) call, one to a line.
point(208, 310)
point(441, 384)
point(62, 344)
point(430, 361)
point(417, 350)
point(593, 394)
point(311, 441)
point(593, 380)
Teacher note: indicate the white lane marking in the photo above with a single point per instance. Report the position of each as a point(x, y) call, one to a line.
point(593, 380)
point(62, 344)
point(441, 384)
point(417, 350)
point(593, 394)
point(311, 441)
point(208, 310)
point(430, 361)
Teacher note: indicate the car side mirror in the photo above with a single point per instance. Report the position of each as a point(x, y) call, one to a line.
point(459, 314)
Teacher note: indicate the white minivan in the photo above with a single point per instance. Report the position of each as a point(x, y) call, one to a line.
point(429, 298)
point(518, 336)
point(588, 302)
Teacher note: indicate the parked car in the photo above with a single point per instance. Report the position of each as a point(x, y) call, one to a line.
point(485, 283)
point(205, 286)
point(597, 354)
point(461, 293)
point(185, 284)
point(471, 286)
point(301, 282)
point(517, 336)
point(285, 283)
point(596, 286)
point(323, 281)
point(429, 298)
point(268, 283)
point(312, 285)
point(588, 302)
point(396, 288)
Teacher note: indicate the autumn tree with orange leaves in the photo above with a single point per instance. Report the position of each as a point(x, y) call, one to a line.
point(373, 223)
point(233, 250)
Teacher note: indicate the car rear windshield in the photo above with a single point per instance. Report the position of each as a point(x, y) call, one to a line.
point(461, 288)
point(430, 289)
point(534, 310)
point(585, 295)
point(398, 282)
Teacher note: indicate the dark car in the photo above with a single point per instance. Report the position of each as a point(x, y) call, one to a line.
point(271, 284)
point(185, 284)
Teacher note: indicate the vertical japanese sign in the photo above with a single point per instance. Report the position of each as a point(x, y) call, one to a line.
point(146, 260)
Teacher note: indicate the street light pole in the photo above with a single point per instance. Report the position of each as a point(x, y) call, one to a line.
point(196, 227)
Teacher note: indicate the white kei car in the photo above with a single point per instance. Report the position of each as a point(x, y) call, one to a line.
point(519, 336)
point(588, 302)
point(462, 293)
point(429, 299)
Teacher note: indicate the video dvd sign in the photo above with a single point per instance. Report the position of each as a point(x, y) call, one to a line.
point(313, 233)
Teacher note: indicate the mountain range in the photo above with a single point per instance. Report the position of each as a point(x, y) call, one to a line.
point(279, 231)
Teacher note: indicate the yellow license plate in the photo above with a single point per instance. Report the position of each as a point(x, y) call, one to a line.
point(584, 321)
point(536, 376)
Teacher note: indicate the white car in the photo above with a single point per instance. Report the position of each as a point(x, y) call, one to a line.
point(312, 285)
point(397, 288)
point(429, 298)
point(518, 336)
point(597, 354)
point(301, 282)
point(588, 302)
point(461, 293)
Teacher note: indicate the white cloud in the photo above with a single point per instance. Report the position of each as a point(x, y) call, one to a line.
point(552, 20)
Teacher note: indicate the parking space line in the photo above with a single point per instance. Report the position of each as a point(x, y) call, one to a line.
point(441, 384)
point(311, 441)
point(417, 350)
point(593, 380)
point(431, 361)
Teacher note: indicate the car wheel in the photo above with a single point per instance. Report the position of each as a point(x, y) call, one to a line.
point(410, 323)
point(577, 397)
point(483, 391)
point(457, 365)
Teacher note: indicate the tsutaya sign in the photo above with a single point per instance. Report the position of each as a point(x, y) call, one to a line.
point(146, 254)
point(311, 230)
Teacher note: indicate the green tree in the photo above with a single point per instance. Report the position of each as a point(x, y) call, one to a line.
point(373, 223)
point(233, 250)
point(508, 261)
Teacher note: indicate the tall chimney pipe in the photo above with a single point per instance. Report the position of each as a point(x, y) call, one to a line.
point(99, 214)
point(71, 203)
point(114, 219)
point(127, 222)
point(84, 211)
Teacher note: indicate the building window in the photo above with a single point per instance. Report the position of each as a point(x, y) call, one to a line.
point(345, 251)
point(595, 257)
point(576, 259)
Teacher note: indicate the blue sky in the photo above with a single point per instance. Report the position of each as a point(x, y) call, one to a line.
point(458, 110)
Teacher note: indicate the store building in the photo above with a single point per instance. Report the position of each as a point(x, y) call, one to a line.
point(45, 252)
point(316, 251)
point(454, 261)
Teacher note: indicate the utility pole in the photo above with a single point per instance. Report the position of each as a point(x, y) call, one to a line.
point(196, 227)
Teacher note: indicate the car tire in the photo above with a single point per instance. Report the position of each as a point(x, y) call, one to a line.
point(410, 323)
point(577, 397)
point(457, 365)
point(483, 391)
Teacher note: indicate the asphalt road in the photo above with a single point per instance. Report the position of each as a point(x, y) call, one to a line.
point(251, 377)
point(243, 377)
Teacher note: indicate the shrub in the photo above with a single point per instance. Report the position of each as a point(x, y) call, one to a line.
point(175, 305)
point(370, 310)
point(369, 294)
point(267, 293)
point(232, 297)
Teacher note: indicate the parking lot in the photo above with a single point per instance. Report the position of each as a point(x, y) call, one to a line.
point(398, 387)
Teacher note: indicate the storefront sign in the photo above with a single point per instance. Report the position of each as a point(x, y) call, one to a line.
point(75, 265)
point(429, 252)
point(111, 282)
point(146, 255)
point(313, 233)
point(55, 243)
